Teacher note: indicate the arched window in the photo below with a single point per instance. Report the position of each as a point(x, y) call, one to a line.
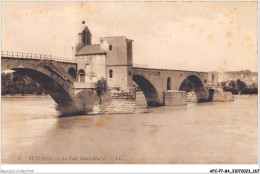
point(169, 83)
point(81, 75)
point(111, 73)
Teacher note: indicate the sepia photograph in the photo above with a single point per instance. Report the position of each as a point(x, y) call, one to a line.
point(121, 82)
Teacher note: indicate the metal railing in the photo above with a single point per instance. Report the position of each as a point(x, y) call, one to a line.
point(35, 56)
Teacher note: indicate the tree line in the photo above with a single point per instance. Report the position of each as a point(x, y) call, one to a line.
point(239, 87)
point(17, 83)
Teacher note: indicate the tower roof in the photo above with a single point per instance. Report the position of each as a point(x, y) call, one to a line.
point(85, 28)
point(90, 50)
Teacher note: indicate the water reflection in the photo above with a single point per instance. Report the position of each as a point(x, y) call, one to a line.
point(197, 133)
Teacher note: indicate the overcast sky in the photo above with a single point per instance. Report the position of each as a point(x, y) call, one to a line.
point(201, 36)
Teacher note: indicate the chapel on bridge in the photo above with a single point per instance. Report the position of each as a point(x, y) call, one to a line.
point(111, 60)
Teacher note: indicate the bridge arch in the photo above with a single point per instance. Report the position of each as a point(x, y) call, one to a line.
point(52, 77)
point(150, 93)
point(193, 82)
point(58, 92)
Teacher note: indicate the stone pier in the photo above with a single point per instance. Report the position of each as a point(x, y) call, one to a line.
point(175, 98)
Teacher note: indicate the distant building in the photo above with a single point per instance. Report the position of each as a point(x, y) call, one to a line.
point(111, 60)
point(215, 77)
point(247, 76)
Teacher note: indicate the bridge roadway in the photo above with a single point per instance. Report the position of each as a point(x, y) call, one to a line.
point(58, 76)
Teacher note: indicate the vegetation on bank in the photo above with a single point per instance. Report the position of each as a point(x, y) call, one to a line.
point(239, 87)
point(101, 87)
point(16, 83)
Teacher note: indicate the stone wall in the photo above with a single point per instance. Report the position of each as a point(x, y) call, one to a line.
point(120, 77)
point(118, 102)
point(140, 100)
point(220, 96)
point(175, 98)
point(113, 105)
point(94, 67)
point(192, 97)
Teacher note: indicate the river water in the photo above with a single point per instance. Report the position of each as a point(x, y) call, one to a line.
point(205, 133)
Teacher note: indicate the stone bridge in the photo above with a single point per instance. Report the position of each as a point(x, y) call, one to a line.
point(154, 82)
point(56, 75)
point(59, 77)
